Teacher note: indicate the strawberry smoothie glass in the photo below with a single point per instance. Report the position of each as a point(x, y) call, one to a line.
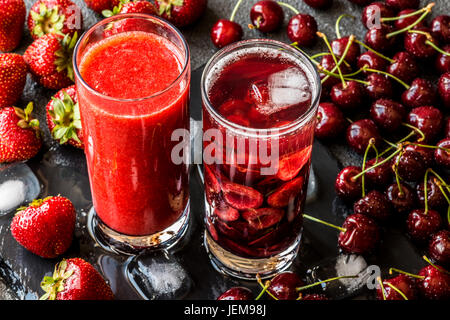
point(260, 100)
point(133, 77)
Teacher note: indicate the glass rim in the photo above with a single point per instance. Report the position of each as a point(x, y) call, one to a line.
point(298, 55)
point(145, 16)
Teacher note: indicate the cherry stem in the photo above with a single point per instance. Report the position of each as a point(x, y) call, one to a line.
point(435, 47)
point(321, 54)
point(288, 6)
point(425, 190)
point(397, 289)
point(422, 135)
point(265, 287)
point(391, 270)
point(369, 146)
point(324, 281)
point(440, 178)
point(338, 20)
point(325, 39)
point(430, 147)
point(374, 51)
point(415, 23)
point(235, 9)
point(324, 222)
point(396, 144)
point(377, 164)
point(382, 287)
point(389, 75)
point(397, 176)
point(435, 266)
point(412, 14)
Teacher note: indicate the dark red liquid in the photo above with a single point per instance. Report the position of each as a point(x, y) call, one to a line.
point(249, 213)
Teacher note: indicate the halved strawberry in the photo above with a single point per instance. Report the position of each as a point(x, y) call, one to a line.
point(291, 164)
point(286, 193)
point(263, 218)
point(241, 197)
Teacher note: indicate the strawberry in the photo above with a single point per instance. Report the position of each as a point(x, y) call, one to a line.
point(13, 75)
point(50, 60)
point(63, 117)
point(54, 16)
point(19, 134)
point(12, 17)
point(46, 226)
point(75, 279)
point(181, 12)
point(100, 5)
point(127, 6)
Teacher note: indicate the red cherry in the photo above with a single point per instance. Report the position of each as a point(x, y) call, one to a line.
point(370, 13)
point(360, 132)
point(346, 187)
point(404, 67)
point(327, 63)
point(236, 293)
point(401, 201)
point(361, 234)
point(421, 225)
point(447, 128)
point(267, 15)
point(439, 247)
point(420, 93)
point(381, 175)
point(403, 4)
point(415, 43)
point(435, 284)
point(302, 29)
point(284, 285)
point(440, 28)
point(338, 46)
point(349, 97)
point(435, 198)
point(406, 284)
point(225, 32)
point(377, 39)
point(427, 119)
point(413, 161)
point(442, 157)
point(330, 121)
point(444, 89)
point(375, 205)
point(387, 114)
point(372, 61)
point(442, 62)
point(379, 86)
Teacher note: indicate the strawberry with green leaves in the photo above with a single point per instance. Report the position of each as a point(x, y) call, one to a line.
point(127, 6)
point(54, 16)
point(100, 5)
point(46, 226)
point(50, 60)
point(13, 75)
point(20, 137)
point(181, 12)
point(63, 117)
point(75, 279)
point(12, 17)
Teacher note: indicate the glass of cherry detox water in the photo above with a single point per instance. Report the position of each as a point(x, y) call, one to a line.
point(260, 101)
point(133, 77)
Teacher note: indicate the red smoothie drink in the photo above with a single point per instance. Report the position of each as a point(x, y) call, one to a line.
point(133, 93)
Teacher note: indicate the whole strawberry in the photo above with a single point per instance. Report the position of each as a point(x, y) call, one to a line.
point(45, 227)
point(12, 17)
point(54, 16)
point(19, 134)
point(100, 5)
point(50, 60)
point(13, 75)
point(181, 12)
point(63, 117)
point(127, 6)
point(75, 279)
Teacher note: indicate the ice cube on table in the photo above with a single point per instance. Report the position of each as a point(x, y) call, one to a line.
point(18, 186)
point(158, 275)
point(342, 265)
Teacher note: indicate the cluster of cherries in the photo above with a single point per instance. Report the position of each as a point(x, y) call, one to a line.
point(409, 179)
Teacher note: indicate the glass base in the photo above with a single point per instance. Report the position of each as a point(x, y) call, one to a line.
point(246, 268)
point(115, 242)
